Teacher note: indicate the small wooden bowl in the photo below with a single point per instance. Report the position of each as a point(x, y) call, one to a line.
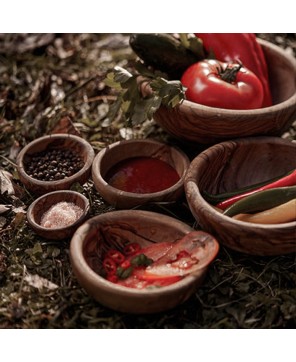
point(207, 125)
point(235, 164)
point(37, 209)
point(98, 234)
point(57, 141)
point(123, 150)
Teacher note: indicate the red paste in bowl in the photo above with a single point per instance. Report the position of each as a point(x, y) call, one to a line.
point(142, 175)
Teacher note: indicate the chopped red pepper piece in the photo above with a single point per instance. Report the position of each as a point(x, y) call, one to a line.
point(109, 266)
point(125, 264)
point(131, 249)
point(115, 255)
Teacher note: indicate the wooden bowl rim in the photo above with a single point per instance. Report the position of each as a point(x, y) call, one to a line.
point(187, 105)
point(190, 182)
point(97, 281)
point(40, 228)
point(104, 153)
point(87, 164)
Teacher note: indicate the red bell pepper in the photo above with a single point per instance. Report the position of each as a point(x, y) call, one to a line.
point(241, 47)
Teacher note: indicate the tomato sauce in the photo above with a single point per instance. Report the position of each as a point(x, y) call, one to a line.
point(142, 175)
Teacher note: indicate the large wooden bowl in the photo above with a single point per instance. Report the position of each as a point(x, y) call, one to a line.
point(235, 164)
point(57, 141)
point(207, 125)
point(123, 150)
point(102, 232)
point(41, 205)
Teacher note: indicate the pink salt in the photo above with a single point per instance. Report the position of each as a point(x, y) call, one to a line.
point(60, 215)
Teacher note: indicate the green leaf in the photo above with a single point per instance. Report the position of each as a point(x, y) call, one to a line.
point(136, 108)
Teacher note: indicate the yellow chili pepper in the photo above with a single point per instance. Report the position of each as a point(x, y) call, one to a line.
point(280, 214)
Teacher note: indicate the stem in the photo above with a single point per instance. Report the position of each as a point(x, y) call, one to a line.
point(229, 73)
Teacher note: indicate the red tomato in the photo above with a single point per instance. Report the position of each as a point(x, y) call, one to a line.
point(223, 85)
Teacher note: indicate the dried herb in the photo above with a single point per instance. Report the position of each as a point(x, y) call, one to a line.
point(134, 105)
point(239, 291)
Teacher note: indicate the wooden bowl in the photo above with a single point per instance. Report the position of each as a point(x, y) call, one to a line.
point(236, 164)
point(207, 125)
point(124, 150)
point(58, 141)
point(100, 233)
point(40, 206)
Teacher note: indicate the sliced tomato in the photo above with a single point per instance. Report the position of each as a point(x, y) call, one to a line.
point(157, 250)
point(197, 249)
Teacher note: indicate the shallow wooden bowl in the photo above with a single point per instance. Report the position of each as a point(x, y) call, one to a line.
point(58, 141)
point(123, 150)
point(207, 125)
point(100, 233)
point(37, 209)
point(235, 164)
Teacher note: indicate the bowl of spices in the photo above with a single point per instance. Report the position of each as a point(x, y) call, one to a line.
point(55, 162)
point(137, 261)
point(244, 193)
point(136, 172)
point(56, 215)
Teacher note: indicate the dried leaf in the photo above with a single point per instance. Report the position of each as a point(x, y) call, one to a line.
point(6, 185)
point(38, 282)
point(65, 125)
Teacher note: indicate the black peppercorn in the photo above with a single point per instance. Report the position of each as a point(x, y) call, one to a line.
point(53, 164)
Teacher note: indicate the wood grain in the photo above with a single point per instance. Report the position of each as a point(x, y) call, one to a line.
point(58, 141)
point(43, 204)
point(235, 164)
point(207, 125)
point(113, 229)
point(123, 150)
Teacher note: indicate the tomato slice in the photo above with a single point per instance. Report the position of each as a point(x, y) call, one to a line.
point(191, 253)
point(157, 250)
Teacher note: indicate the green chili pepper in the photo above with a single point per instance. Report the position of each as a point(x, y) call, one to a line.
point(215, 199)
point(262, 200)
point(124, 273)
point(141, 260)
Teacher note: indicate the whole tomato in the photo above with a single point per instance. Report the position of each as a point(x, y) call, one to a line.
point(223, 85)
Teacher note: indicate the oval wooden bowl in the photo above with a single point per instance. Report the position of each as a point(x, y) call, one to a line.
point(235, 164)
point(37, 209)
point(98, 234)
point(58, 141)
point(207, 125)
point(123, 150)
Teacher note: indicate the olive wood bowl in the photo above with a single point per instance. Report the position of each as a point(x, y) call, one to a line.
point(126, 149)
point(208, 125)
point(57, 141)
point(235, 164)
point(37, 209)
point(99, 233)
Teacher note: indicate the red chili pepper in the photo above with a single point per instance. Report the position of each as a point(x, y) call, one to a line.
point(243, 47)
point(131, 249)
point(109, 266)
point(288, 180)
point(125, 264)
point(115, 255)
point(112, 278)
